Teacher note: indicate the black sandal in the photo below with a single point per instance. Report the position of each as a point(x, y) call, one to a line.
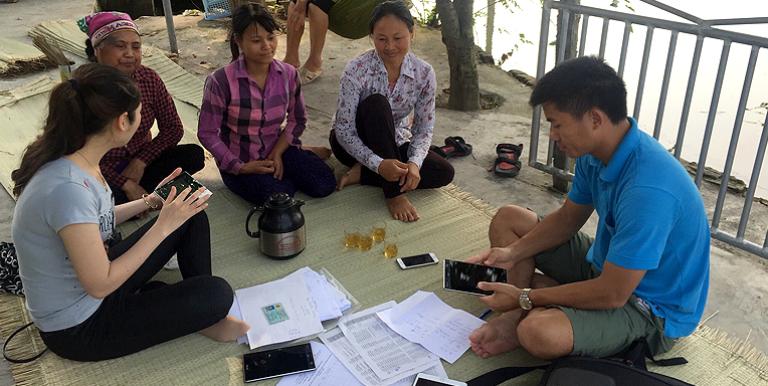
point(507, 163)
point(454, 147)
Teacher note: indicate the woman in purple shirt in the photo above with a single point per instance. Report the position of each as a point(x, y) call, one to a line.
point(372, 131)
point(244, 106)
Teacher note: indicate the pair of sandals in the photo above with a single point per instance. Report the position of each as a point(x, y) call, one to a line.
point(507, 163)
point(454, 147)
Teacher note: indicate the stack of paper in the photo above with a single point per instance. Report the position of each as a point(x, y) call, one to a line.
point(424, 319)
point(290, 308)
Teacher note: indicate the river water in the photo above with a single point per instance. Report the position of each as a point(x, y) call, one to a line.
point(508, 25)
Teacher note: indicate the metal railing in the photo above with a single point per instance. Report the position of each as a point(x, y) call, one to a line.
point(699, 28)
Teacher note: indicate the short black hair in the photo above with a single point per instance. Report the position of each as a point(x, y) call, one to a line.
point(396, 8)
point(577, 85)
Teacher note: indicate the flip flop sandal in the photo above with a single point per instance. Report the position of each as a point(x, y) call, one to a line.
point(506, 167)
point(454, 147)
point(438, 150)
point(307, 76)
point(507, 163)
point(513, 151)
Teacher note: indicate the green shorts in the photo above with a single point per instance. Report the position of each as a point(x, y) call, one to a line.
point(600, 333)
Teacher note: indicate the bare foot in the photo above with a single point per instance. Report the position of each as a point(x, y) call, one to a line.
point(351, 177)
point(497, 336)
point(227, 329)
point(321, 151)
point(402, 209)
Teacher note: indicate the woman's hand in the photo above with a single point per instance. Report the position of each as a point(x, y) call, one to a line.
point(178, 209)
point(410, 180)
point(277, 164)
point(258, 167)
point(392, 169)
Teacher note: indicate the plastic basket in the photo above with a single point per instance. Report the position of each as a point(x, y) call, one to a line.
point(216, 9)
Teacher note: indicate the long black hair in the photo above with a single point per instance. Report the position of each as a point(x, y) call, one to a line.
point(77, 109)
point(243, 17)
point(396, 8)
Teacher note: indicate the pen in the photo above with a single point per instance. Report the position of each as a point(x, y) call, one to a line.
point(485, 314)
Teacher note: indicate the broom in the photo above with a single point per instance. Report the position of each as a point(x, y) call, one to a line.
point(53, 52)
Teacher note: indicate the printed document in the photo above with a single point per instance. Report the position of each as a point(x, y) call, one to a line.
point(424, 319)
point(386, 352)
point(354, 363)
point(278, 311)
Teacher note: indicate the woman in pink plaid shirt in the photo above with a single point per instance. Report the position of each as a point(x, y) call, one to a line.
point(244, 106)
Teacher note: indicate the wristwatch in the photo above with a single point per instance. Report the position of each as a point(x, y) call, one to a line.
point(525, 300)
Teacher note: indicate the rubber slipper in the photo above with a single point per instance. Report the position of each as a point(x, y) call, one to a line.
point(306, 76)
point(505, 167)
point(454, 147)
point(507, 163)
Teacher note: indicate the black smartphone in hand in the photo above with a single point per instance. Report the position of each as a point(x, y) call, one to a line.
point(463, 277)
point(278, 362)
point(181, 182)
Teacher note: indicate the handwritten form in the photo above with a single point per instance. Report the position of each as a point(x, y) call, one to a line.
point(424, 319)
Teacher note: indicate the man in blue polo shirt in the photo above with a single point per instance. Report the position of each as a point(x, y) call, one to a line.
point(645, 275)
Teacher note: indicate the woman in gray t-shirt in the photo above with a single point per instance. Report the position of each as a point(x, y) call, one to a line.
point(86, 290)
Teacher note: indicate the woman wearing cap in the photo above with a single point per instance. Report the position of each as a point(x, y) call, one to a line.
point(372, 133)
point(135, 169)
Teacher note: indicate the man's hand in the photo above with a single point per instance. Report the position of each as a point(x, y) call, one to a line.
point(258, 167)
point(410, 180)
point(133, 190)
point(505, 297)
point(392, 169)
point(500, 257)
point(135, 170)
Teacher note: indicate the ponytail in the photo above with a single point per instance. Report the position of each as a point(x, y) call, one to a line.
point(77, 109)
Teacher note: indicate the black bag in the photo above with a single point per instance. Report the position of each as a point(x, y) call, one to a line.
point(626, 368)
point(10, 281)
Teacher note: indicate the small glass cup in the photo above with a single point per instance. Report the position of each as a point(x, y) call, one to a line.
point(365, 242)
point(351, 239)
point(379, 232)
point(390, 251)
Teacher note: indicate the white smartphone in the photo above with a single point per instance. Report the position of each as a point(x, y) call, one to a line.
point(433, 380)
point(417, 261)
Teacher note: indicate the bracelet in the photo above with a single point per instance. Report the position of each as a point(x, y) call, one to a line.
point(146, 201)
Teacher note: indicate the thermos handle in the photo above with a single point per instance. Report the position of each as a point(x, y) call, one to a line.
point(248, 220)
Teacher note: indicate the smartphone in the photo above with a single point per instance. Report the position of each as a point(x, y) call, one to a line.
point(463, 277)
point(433, 380)
point(417, 261)
point(181, 182)
point(278, 362)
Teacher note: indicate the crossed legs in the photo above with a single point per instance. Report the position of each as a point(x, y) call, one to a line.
point(544, 332)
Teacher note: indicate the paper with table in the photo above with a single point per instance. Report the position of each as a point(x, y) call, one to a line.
point(289, 308)
point(331, 372)
point(386, 352)
point(425, 319)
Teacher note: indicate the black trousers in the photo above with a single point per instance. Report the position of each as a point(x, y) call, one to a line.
point(189, 158)
point(376, 128)
point(129, 320)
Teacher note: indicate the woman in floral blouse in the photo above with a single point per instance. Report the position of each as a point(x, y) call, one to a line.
point(372, 132)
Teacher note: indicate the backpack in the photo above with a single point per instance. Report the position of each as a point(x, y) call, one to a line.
point(10, 281)
point(626, 368)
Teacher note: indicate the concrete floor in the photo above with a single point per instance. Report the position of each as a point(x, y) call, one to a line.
point(738, 290)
